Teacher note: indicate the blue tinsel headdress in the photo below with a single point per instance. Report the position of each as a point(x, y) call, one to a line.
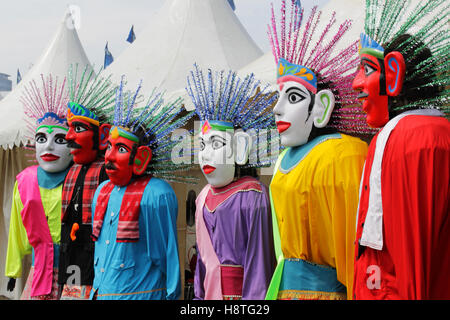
point(223, 101)
point(152, 125)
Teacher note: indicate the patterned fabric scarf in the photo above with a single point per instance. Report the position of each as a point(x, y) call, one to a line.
point(128, 227)
point(91, 182)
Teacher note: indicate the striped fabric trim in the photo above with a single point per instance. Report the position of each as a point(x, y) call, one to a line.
point(310, 295)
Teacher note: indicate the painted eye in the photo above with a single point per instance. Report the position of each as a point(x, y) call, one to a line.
point(122, 150)
point(295, 97)
point(217, 144)
point(60, 140)
point(368, 69)
point(202, 146)
point(41, 138)
point(79, 129)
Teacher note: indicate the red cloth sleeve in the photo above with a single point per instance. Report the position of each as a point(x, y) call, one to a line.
point(415, 191)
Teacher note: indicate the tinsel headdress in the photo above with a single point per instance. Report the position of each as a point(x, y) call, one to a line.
point(91, 96)
point(152, 125)
point(45, 104)
point(317, 64)
point(224, 101)
point(427, 22)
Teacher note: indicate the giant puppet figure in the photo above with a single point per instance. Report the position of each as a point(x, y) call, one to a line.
point(314, 189)
point(135, 212)
point(403, 231)
point(90, 98)
point(233, 224)
point(35, 225)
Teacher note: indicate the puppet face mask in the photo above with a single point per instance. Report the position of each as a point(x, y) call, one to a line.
point(86, 137)
point(369, 81)
point(296, 113)
point(216, 157)
point(81, 141)
point(292, 115)
point(220, 151)
point(379, 77)
point(123, 157)
point(52, 152)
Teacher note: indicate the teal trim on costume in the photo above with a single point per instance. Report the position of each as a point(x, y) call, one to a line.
point(55, 256)
point(50, 180)
point(296, 154)
point(301, 275)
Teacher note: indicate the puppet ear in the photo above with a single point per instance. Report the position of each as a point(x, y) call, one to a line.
point(394, 66)
point(103, 136)
point(323, 107)
point(243, 144)
point(142, 159)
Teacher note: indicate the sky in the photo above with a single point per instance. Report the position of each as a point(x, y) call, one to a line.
point(27, 26)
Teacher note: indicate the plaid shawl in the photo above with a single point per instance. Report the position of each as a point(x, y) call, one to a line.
point(91, 182)
point(128, 227)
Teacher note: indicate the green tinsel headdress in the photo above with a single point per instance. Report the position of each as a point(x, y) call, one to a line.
point(91, 97)
point(413, 29)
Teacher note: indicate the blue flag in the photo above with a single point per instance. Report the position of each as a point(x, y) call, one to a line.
point(231, 2)
point(131, 35)
point(19, 77)
point(108, 57)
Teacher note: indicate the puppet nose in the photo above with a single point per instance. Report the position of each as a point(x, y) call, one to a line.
point(358, 82)
point(70, 134)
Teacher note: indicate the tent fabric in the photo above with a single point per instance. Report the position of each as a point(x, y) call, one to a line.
point(64, 49)
point(12, 161)
point(184, 32)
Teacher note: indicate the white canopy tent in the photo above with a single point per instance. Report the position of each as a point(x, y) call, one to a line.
point(184, 32)
point(264, 68)
point(63, 50)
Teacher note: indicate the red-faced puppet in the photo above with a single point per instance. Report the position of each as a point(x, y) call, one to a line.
point(86, 136)
point(378, 78)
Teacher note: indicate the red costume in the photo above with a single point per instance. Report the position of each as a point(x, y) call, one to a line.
point(415, 257)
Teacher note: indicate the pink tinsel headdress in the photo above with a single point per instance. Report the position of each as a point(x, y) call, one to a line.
point(45, 105)
point(302, 48)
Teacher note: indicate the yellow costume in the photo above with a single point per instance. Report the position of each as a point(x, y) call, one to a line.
point(18, 244)
point(314, 194)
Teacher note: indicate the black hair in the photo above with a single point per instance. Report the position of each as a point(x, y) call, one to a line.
point(143, 141)
point(414, 52)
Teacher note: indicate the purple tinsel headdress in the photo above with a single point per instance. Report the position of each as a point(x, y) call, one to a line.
point(45, 105)
point(297, 55)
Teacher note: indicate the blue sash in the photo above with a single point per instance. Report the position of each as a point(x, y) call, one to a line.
point(303, 280)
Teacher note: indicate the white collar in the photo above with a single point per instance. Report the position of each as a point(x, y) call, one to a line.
point(372, 235)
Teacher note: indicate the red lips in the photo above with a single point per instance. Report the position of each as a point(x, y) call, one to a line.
point(49, 157)
point(282, 126)
point(207, 169)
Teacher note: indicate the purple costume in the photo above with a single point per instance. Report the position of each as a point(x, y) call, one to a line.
point(238, 221)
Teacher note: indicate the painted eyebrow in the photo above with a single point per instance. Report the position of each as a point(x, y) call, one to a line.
point(295, 88)
point(123, 145)
point(370, 62)
point(76, 123)
point(215, 136)
point(60, 135)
